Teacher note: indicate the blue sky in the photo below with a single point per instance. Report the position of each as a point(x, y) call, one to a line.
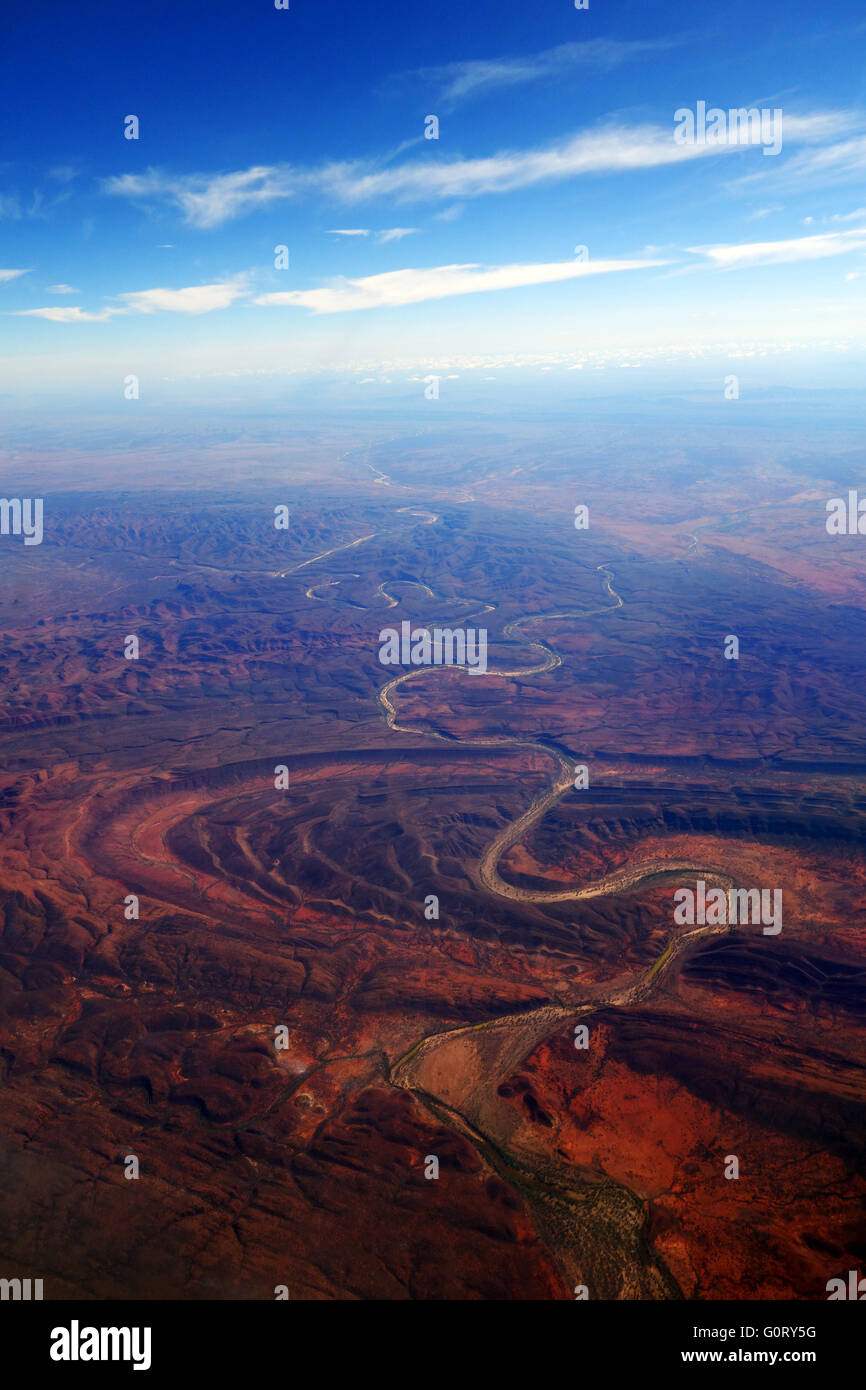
point(407, 255)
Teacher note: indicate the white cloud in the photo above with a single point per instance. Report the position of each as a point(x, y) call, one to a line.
point(590, 152)
point(607, 149)
point(348, 231)
point(206, 200)
point(469, 78)
point(397, 287)
point(67, 313)
point(832, 164)
point(806, 248)
point(395, 233)
point(61, 289)
point(10, 275)
point(195, 299)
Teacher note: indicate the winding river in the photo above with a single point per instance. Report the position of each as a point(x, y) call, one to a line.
point(456, 1073)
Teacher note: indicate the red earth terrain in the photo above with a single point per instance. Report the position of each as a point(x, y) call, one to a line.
point(234, 840)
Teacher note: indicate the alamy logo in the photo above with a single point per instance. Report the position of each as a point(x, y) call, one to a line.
point(436, 646)
point(75, 1343)
point(846, 520)
point(22, 516)
point(21, 1289)
point(856, 1287)
point(739, 906)
point(739, 126)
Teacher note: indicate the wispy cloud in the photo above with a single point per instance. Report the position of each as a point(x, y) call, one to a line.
point(207, 200)
point(387, 233)
point(395, 233)
point(66, 313)
point(10, 275)
point(37, 204)
point(605, 149)
point(195, 299)
point(62, 289)
point(806, 248)
point(479, 76)
point(63, 173)
point(399, 287)
point(841, 162)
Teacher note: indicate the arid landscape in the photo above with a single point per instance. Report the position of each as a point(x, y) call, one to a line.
point(280, 813)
